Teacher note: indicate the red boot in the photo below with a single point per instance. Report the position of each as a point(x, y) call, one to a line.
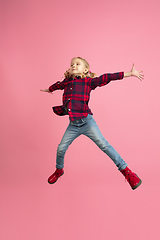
point(132, 178)
point(54, 177)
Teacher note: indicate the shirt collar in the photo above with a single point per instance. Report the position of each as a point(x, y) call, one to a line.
point(77, 77)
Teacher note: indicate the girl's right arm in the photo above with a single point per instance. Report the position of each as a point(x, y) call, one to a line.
point(55, 86)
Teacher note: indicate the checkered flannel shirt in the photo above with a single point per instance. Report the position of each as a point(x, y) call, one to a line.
point(77, 94)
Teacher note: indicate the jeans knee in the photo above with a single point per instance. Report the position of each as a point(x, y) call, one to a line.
point(103, 144)
point(61, 150)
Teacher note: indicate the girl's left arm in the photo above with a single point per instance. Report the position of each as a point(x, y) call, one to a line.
point(134, 73)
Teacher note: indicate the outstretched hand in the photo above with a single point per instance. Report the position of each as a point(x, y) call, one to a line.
point(138, 74)
point(45, 90)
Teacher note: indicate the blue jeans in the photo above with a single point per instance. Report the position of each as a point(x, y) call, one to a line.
point(88, 127)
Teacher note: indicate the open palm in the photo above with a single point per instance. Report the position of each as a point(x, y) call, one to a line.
point(138, 74)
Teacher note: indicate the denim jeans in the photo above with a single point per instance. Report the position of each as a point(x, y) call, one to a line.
point(88, 127)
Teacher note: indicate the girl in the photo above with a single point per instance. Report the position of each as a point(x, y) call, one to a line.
point(79, 81)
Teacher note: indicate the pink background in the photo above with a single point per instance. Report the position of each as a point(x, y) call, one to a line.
point(92, 200)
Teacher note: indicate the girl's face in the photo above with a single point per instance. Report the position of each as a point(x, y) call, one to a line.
point(77, 67)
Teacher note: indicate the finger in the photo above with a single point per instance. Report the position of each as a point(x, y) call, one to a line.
point(141, 75)
point(141, 78)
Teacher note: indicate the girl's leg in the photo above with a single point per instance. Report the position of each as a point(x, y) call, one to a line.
point(71, 133)
point(91, 130)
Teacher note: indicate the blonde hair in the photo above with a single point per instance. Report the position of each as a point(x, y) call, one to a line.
point(88, 74)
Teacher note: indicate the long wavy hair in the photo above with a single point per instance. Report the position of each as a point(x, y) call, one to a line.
point(88, 74)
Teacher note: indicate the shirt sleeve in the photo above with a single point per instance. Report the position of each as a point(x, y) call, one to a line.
point(105, 79)
point(57, 85)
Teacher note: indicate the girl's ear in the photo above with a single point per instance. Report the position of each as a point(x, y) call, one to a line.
point(86, 70)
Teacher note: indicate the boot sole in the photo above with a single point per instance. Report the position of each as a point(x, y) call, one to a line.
point(140, 182)
point(56, 180)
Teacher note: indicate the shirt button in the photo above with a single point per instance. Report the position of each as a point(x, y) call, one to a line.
point(69, 99)
point(71, 88)
point(69, 110)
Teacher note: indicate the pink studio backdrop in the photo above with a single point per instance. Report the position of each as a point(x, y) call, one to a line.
point(92, 200)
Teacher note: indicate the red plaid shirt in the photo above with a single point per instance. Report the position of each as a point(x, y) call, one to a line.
point(77, 93)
